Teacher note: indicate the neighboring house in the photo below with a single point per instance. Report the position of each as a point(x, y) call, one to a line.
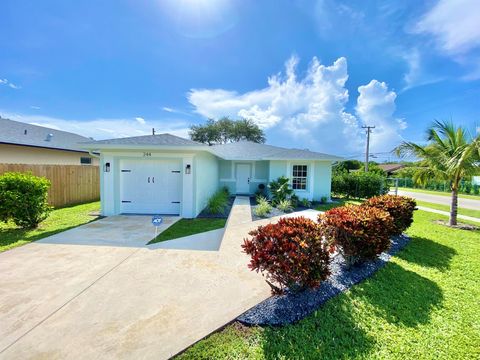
point(390, 168)
point(22, 143)
point(166, 174)
point(475, 180)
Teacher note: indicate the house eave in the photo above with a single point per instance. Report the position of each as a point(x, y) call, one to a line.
point(123, 147)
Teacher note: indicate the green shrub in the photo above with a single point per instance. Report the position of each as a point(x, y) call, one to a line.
point(306, 203)
point(280, 189)
point(263, 207)
point(360, 233)
point(400, 209)
point(285, 205)
point(359, 184)
point(290, 252)
point(23, 199)
point(218, 202)
point(323, 199)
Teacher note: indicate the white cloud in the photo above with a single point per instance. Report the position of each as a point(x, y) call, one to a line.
point(303, 112)
point(34, 107)
point(140, 120)
point(168, 109)
point(375, 107)
point(6, 82)
point(454, 24)
point(103, 128)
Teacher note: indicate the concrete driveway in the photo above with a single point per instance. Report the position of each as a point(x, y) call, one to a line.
point(443, 200)
point(72, 296)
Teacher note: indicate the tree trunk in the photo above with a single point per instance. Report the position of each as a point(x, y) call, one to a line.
point(453, 207)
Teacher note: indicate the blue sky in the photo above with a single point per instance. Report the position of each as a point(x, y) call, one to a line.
point(311, 73)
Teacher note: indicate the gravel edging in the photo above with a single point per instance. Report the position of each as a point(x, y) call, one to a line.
point(289, 308)
point(275, 212)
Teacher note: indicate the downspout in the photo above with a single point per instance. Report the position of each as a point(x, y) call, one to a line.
point(94, 155)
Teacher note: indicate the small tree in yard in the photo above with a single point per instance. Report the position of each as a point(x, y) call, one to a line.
point(23, 199)
point(451, 154)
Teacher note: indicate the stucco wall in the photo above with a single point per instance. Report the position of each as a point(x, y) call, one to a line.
point(16, 154)
point(319, 176)
point(258, 174)
point(206, 170)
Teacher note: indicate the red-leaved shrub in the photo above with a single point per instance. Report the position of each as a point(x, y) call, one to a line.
point(360, 233)
point(291, 254)
point(399, 207)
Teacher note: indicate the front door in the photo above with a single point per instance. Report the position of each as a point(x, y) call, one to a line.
point(243, 178)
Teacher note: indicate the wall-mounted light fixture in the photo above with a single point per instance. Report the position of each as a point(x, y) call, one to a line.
point(107, 167)
point(188, 169)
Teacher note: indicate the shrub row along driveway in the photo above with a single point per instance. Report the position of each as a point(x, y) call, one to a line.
point(60, 299)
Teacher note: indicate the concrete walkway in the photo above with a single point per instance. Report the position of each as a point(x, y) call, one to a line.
point(440, 199)
point(60, 299)
point(446, 213)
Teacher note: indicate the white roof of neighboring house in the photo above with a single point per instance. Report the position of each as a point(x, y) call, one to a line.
point(242, 150)
point(19, 133)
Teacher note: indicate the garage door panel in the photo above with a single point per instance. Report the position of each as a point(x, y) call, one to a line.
point(151, 186)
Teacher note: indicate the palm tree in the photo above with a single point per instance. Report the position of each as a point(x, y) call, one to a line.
point(451, 154)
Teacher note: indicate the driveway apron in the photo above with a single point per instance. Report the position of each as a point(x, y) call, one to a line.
point(117, 298)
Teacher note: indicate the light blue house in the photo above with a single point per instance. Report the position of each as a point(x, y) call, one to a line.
point(166, 174)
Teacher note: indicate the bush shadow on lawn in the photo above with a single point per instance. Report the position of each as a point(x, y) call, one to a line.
point(427, 253)
point(399, 296)
point(327, 334)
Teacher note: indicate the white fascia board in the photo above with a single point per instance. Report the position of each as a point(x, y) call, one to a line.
point(116, 147)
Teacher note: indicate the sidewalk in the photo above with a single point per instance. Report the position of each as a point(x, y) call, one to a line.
point(446, 213)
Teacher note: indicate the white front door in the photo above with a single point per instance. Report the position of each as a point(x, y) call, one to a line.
point(243, 178)
point(150, 186)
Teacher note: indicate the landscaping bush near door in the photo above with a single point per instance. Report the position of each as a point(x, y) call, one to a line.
point(280, 190)
point(291, 254)
point(218, 202)
point(23, 199)
point(400, 208)
point(360, 233)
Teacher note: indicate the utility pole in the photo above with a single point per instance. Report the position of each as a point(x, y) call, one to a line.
point(153, 131)
point(367, 148)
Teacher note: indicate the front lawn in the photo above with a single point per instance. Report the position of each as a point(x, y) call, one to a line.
point(186, 227)
point(461, 211)
point(59, 220)
point(422, 305)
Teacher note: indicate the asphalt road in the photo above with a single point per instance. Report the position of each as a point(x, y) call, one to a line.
point(444, 200)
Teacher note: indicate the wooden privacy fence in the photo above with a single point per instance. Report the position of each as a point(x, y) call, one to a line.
point(71, 184)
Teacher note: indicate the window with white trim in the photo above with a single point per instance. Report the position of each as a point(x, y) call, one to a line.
point(299, 177)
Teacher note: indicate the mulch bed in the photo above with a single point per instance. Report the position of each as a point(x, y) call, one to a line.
point(275, 211)
point(460, 226)
point(206, 215)
point(289, 308)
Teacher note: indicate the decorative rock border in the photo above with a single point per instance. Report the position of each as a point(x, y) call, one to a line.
point(289, 308)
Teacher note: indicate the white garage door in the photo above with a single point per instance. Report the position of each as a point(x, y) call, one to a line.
point(150, 186)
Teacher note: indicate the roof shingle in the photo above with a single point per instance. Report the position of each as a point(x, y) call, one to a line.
point(19, 133)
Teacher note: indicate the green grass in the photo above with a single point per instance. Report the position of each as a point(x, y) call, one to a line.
point(461, 211)
point(186, 227)
point(422, 305)
point(59, 220)
point(441, 193)
point(336, 203)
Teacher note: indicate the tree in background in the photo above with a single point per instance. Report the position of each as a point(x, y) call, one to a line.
point(451, 154)
point(226, 130)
